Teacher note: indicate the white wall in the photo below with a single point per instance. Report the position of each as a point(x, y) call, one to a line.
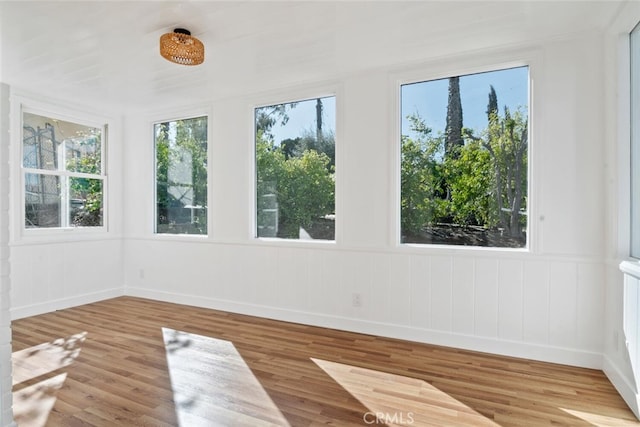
point(6, 399)
point(53, 276)
point(545, 304)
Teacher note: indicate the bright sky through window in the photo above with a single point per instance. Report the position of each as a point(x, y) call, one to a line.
point(431, 100)
point(299, 123)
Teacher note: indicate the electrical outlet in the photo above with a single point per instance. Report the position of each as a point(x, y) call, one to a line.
point(356, 300)
point(141, 273)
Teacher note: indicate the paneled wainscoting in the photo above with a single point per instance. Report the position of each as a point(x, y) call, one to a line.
point(515, 304)
point(631, 326)
point(131, 361)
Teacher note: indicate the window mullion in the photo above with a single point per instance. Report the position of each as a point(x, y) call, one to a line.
point(64, 202)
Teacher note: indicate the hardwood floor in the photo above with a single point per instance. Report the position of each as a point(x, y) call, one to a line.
point(136, 362)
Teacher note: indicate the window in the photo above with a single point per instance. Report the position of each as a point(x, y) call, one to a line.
point(63, 173)
point(635, 142)
point(295, 170)
point(181, 176)
point(464, 150)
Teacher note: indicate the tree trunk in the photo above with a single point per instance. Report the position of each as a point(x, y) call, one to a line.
point(453, 129)
point(318, 120)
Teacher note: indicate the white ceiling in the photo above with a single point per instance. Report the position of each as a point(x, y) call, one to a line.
point(107, 51)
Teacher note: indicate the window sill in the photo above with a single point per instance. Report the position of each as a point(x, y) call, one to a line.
point(31, 239)
point(180, 237)
point(293, 243)
point(459, 249)
point(631, 268)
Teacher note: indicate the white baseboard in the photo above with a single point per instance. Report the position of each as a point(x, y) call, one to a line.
point(62, 303)
point(621, 383)
point(545, 353)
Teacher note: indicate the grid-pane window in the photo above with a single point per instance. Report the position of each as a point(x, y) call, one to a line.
point(464, 160)
point(63, 173)
point(295, 170)
point(181, 176)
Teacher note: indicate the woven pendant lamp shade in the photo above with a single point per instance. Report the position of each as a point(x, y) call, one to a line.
point(181, 47)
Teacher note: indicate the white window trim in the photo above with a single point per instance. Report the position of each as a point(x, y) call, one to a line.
point(298, 94)
point(469, 64)
point(621, 30)
point(625, 159)
point(170, 117)
point(21, 234)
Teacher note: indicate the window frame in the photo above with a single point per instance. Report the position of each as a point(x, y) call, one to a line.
point(633, 145)
point(183, 115)
point(286, 97)
point(19, 229)
point(620, 69)
point(472, 64)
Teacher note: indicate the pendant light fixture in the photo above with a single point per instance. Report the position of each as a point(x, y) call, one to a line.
point(181, 47)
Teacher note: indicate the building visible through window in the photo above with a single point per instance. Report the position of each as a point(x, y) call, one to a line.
point(62, 172)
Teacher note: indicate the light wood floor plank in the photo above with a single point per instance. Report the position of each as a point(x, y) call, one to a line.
point(136, 362)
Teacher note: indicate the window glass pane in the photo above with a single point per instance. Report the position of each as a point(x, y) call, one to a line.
point(635, 143)
point(85, 202)
point(181, 176)
point(40, 147)
point(464, 160)
point(47, 141)
point(295, 170)
point(42, 201)
point(82, 154)
point(62, 149)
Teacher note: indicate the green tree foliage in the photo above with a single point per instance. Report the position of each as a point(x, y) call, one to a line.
point(162, 172)
point(181, 176)
point(469, 177)
point(324, 143)
point(309, 190)
point(507, 143)
point(492, 105)
point(481, 182)
point(86, 191)
point(300, 187)
point(270, 177)
point(191, 137)
point(421, 178)
point(295, 179)
point(267, 117)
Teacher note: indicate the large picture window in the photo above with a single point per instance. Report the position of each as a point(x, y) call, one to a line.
point(63, 173)
point(635, 142)
point(181, 176)
point(295, 170)
point(464, 160)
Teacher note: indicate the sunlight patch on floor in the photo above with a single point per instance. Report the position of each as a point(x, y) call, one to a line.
point(600, 420)
point(396, 400)
point(33, 404)
point(36, 380)
point(212, 384)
